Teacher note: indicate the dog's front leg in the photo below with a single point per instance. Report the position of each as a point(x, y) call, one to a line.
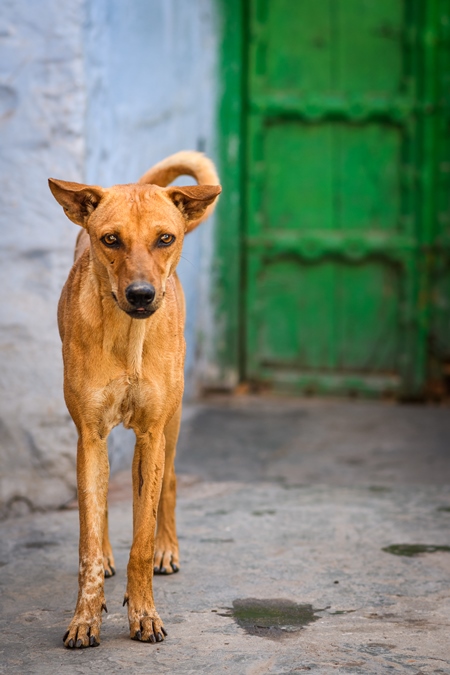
point(166, 542)
point(148, 469)
point(92, 479)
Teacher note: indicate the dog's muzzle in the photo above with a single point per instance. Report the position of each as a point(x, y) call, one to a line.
point(140, 296)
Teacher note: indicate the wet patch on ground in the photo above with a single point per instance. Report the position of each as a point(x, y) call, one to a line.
point(272, 618)
point(377, 648)
point(341, 611)
point(411, 550)
point(40, 544)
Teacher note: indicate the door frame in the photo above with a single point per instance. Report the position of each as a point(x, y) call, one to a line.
point(228, 270)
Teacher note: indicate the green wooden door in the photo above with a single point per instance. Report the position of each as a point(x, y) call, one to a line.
point(344, 113)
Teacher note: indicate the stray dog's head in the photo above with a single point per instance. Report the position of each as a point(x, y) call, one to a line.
point(136, 234)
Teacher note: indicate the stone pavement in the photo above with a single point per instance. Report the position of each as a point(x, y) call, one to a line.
point(283, 501)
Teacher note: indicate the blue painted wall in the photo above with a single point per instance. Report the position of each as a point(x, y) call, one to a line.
point(92, 91)
point(42, 104)
point(150, 73)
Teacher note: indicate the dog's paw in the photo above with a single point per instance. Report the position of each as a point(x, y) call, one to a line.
point(146, 626)
point(166, 559)
point(84, 629)
point(81, 635)
point(108, 567)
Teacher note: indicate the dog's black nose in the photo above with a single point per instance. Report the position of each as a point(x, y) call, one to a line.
point(140, 294)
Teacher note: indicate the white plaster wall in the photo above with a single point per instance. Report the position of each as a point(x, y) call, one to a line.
point(42, 102)
point(93, 91)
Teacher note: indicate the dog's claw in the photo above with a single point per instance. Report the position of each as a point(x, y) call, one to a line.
point(137, 635)
point(152, 639)
point(159, 637)
point(93, 641)
point(65, 635)
point(105, 607)
point(79, 643)
point(163, 570)
point(70, 643)
point(164, 631)
point(125, 601)
point(109, 571)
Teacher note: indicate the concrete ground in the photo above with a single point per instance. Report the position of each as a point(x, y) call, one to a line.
point(281, 501)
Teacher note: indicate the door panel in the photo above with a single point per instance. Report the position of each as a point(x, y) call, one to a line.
point(328, 316)
point(310, 45)
point(331, 176)
point(297, 187)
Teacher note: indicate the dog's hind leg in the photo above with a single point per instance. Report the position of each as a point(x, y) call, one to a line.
point(108, 557)
point(166, 542)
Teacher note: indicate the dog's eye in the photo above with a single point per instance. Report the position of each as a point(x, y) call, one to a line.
point(111, 240)
point(166, 240)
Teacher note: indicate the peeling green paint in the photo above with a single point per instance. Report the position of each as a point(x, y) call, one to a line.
point(354, 302)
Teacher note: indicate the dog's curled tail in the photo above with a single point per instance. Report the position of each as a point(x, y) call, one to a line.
point(184, 163)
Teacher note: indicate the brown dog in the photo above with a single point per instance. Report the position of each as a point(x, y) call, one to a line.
point(121, 320)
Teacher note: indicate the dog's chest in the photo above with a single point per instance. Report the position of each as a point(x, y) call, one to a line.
point(127, 347)
point(124, 398)
point(130, 375)
point(142, 382)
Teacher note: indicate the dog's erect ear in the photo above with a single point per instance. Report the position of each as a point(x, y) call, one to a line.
point(193, 201)
point(77, 200)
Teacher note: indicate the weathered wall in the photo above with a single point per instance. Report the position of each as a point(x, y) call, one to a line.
point(151, 70)
point(42, 99)
point(151, 92)
point(95, 91)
